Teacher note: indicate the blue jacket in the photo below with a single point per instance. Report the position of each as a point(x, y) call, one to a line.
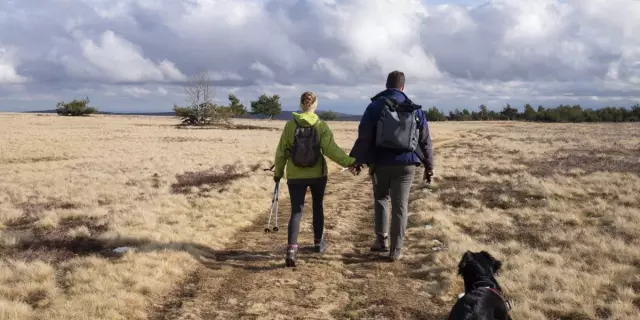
point(364, 149)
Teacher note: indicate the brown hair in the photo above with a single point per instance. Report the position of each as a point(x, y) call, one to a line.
point(308, 101)
point(395, 79)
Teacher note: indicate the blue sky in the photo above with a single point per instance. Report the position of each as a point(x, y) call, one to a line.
point(136, 55)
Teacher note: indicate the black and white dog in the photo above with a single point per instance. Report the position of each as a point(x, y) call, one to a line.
point(483, 298)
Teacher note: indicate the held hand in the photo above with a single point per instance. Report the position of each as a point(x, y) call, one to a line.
point(355, 169)
point(276, 179)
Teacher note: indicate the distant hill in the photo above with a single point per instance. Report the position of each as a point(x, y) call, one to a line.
point(285, 115)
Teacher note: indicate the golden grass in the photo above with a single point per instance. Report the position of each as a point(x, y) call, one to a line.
point(558, 204)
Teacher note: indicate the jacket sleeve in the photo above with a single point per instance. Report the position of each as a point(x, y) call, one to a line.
point(332, 150)
point(362, 148)
point(281, 152)
point(425, 144)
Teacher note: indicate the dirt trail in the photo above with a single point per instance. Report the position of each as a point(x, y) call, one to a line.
point(248, 279)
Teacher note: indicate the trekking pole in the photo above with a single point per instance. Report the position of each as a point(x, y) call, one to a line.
point(274, 205)
point(277, 192)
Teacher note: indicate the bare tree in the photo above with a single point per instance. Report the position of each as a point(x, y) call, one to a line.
point(200, 109)
point(199, 89)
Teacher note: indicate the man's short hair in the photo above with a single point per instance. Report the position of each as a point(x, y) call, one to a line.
point(395, 79)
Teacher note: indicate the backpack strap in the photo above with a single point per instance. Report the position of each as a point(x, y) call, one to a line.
point(391, 103)
point(394, 105)
point(301, 126)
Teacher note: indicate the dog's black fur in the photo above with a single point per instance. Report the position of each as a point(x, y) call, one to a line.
point(478, 269)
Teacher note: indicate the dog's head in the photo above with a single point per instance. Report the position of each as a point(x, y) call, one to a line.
point(480, 264)
point(478, 270)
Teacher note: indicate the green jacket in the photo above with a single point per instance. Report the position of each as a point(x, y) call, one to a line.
point(327, 145)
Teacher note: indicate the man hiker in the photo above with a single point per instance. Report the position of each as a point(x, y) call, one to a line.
point(393, 139)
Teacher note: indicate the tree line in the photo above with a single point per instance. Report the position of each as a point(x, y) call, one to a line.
point(200, 110)
point(561, 113)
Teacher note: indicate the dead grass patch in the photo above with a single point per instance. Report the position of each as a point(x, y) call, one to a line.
point(585, 161)
point(460, 192)
point(29, 160)
point(567, 241)
point(226, 127)
point(541, 235)
point(209, 179)
point(69, 237)
point(190, 139)
point(188, 289)
point(576, 164)
point(35, 207)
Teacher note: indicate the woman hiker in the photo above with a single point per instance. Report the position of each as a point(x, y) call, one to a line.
point(299, 149)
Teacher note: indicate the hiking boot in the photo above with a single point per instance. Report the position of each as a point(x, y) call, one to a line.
point(320, 245)
point(395, 255)
point(290, 260)
point(380, 244)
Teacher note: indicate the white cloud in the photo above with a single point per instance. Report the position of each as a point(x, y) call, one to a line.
point(262, 69)
point(329, 66)
point(452, 55)
point(328, 95)
point(8, 73)
point(162, 91)
point(114, 58)
point(224, 75)
point(136, 92)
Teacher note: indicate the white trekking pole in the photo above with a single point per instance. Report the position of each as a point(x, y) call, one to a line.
point(274, 209)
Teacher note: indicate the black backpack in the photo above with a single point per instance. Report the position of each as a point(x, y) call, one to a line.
point(305, 150)
point(398, 127)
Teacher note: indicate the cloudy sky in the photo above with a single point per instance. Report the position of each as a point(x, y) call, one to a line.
point(135, 55)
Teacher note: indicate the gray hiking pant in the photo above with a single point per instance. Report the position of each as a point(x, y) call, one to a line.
point(392, 182)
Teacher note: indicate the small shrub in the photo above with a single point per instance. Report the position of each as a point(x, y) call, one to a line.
point(75, 108)
point(200, 110)
point(328, 115)
point(203, 114)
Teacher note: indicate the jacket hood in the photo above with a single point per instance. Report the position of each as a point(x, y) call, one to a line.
point(305, 118)
point(391, 93)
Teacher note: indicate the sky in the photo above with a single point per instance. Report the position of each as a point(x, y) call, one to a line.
point(137, 55)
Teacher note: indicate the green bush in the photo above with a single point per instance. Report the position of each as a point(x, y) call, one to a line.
point(328, 115)
point(75, 108)
point(267, 105)
point(203, 114)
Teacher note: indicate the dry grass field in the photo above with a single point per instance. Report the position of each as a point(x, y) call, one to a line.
point(558, 204)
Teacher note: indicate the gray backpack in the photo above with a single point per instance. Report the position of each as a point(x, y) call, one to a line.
point(305, 150)
point(398, 126)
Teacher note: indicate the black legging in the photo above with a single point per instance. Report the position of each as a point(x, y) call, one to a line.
point(297, 192)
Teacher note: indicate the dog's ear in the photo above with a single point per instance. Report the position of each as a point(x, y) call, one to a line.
point(463, 262)
point(495, 263)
